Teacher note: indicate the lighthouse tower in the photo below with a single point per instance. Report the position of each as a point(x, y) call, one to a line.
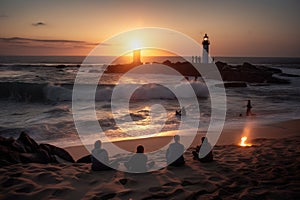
point(137, 57)
point(205, 51)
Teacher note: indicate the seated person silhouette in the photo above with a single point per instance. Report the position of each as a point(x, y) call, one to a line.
point(203, 152)
point(175, 153)
point(99, 158)
point(137, 163)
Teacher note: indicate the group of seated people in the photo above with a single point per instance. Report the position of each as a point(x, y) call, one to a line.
point(138, 162)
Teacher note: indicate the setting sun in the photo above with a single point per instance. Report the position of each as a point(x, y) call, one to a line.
point(146, 54)
point(135, 44)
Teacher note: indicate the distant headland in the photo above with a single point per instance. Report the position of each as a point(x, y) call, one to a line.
point(245, 72)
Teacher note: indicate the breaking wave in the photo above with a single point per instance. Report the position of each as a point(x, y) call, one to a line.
point(35, 92)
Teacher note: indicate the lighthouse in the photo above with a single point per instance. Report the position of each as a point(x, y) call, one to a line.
point(137, 57)
point(205, 51)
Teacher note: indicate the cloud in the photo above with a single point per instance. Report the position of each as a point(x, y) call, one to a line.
point(36, 46)
point(3, 16)
point(31, 41)
point(39, 24)
point(105, 44)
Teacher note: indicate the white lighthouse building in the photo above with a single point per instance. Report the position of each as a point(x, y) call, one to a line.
point(137, 57)
point(205, 51)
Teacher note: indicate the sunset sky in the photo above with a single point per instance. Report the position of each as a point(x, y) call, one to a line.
point(235, 28)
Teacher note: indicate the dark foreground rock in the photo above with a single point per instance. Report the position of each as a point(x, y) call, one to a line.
point(26, 150)
point(54, 150)
point(85, 159)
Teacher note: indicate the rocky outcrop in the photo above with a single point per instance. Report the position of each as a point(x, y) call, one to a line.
point(26, 150)
point(242, 73)
point(249, 73)
point(85, 159)
point(26, 143)
point(185, 68)
point(232, 84)
point(54, 150)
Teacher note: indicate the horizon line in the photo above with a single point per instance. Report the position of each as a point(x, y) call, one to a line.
point(216, 56)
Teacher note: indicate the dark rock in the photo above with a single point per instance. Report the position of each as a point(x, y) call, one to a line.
point(38, 157)
point(46, 147)
point(8, 153)
point(221, 65)
point(270, 69)
point(276, 80)
point(61, 66)
point(41, 156)
point(248, 67)
point(249, 73)
point(167, 62)
point(289, 75)
point(244, 73)
point(6, 141)
point(85, 159)
point(26, 150)
point(53, 150)
point(17, 146)
point(233, 84)
point(28, 143)
point(7, 156)
point(259, 84)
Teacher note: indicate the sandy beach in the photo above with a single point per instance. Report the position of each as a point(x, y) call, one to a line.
point(138, 100)
point(229, 136)
point(267, 170)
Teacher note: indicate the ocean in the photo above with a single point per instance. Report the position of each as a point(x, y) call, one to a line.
point(36, 97)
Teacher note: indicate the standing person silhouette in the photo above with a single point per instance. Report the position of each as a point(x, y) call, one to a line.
point(249, 107)
point(175, 152)
point(138, 162)
point(99, 158)
point(181, 112)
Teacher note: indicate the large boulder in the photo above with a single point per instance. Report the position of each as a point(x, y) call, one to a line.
point(29, 145)
point(54, 150)
point(41, 156)
point(248, 67)
point(235, 84)
point(6, 141)
point(249, 73)
point(8, 156)
point(244, 73)
point(26, 150)
point(85, 159)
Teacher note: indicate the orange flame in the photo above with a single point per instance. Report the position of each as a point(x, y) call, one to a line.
point(243, 142)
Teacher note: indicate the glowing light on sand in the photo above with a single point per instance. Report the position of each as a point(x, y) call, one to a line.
point(243, 142)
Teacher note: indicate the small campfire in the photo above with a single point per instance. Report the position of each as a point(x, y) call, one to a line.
point(243, 142)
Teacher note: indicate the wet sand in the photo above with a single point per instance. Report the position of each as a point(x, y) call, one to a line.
point(267, 170)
